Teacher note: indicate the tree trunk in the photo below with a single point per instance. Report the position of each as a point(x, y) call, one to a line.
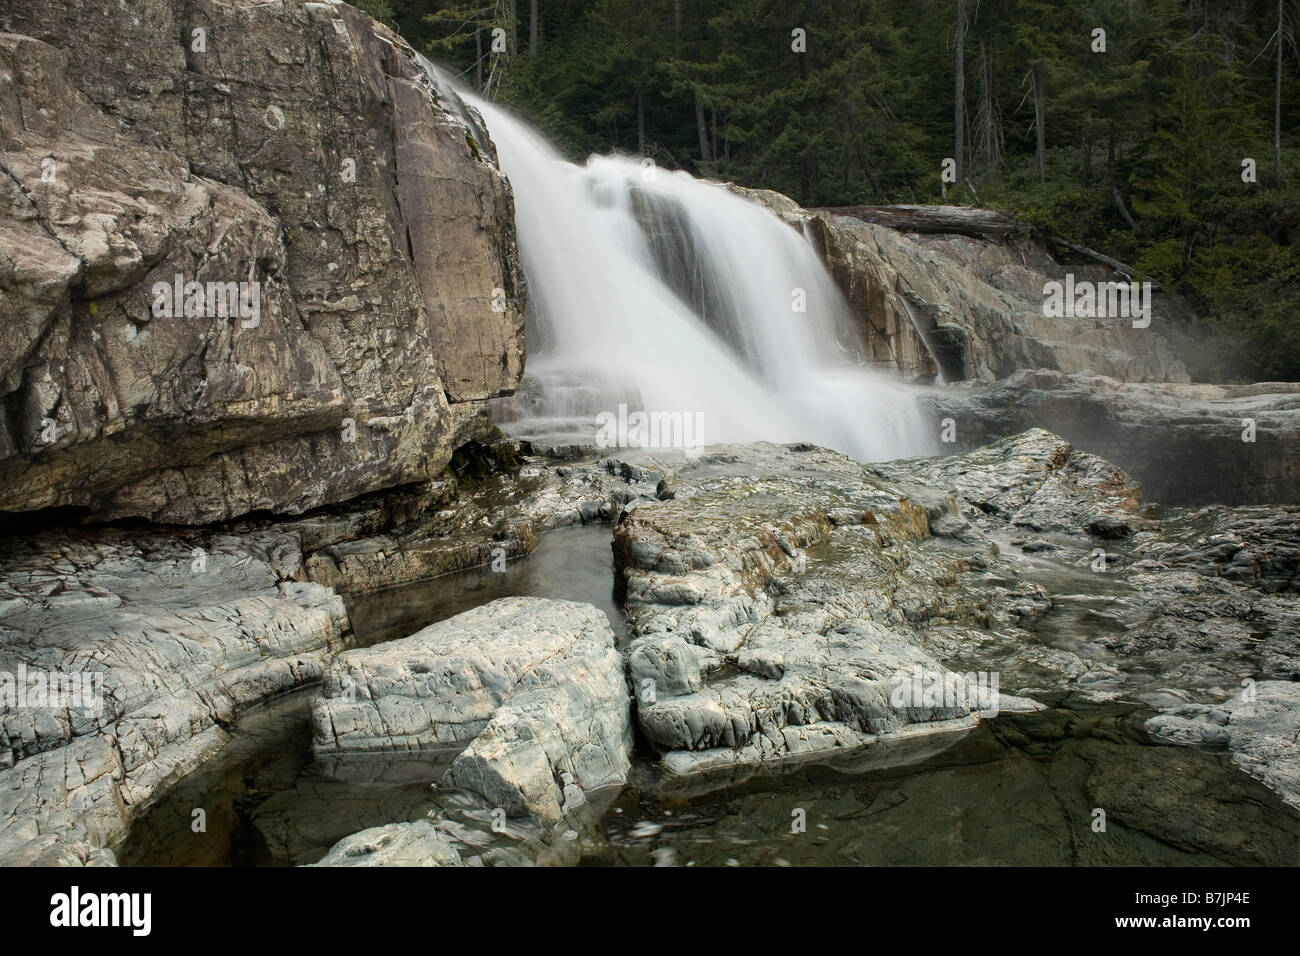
point(1038, 123)
point(875, 185)
point(1115, 264)
point(478, 59)
point(961, 220)
point(1277, 100)
point(532, 28)
point(959, 94)
point(1114, 186)
point(986, 134)
point(514, 28)
point(705, 154)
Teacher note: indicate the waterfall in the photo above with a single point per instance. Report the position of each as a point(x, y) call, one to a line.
point(652, 289)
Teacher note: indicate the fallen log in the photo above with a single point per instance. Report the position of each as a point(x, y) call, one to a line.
point(1105, 260)
point(963, 220)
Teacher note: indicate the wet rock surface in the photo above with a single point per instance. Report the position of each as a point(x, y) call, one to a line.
point(776, 597)
point(1017, 790)
point(1259, 728)
point(188, 629)
point(339, 797)
point(416, 534)
point(535, 689)
point(178, 634)
point(268, 801)
point(1021, 790)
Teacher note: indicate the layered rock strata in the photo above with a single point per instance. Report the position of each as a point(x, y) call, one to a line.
point(226, 296)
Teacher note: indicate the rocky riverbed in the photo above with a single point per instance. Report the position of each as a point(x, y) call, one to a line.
point(790, 614)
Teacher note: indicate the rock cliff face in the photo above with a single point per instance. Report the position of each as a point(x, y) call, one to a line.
point(951, 307)
point(369, 226)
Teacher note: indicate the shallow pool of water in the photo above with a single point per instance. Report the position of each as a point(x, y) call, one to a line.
point(1018, 790)
point(266, 801)
point(573, 564)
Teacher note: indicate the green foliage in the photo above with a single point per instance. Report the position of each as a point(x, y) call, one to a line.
point(381, 10)
point(1143, 142)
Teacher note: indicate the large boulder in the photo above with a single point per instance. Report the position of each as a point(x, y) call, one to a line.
point(534, 687)
point(298, 148)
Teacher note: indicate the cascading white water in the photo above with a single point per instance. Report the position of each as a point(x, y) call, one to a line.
point(654, 289)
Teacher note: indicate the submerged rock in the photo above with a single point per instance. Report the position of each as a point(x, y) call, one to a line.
point(345, 794)
point(466, 833)
point(1018, 791)
point(397, 844)
point(534, 687)
point(1259, 728)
